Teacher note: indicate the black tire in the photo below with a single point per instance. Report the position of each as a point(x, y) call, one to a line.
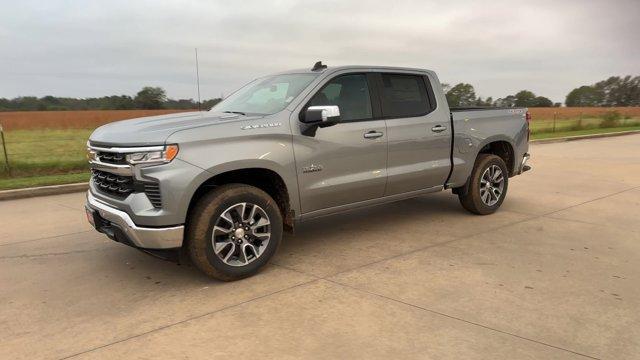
point(471, 200)
point(207, 212)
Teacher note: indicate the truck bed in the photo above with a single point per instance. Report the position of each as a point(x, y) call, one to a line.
point(473, 127)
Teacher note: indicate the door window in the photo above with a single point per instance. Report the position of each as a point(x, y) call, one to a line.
point(350, 93)
point(404, 96)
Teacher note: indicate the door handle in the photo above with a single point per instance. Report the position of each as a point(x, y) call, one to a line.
point(439, 128)
point(372, 134)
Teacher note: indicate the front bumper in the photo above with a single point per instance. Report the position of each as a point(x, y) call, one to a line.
point(118, 226)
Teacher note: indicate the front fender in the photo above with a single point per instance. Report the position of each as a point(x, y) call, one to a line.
point(273, 152)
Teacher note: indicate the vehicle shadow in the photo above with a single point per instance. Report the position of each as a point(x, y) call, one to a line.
point(337, 243)
point(381, 218)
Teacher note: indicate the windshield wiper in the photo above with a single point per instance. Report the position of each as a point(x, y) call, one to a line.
point(235, 112)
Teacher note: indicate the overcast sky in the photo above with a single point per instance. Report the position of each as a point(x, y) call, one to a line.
point(95, 48)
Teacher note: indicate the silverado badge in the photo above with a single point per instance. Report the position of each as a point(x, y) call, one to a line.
point(311, 168)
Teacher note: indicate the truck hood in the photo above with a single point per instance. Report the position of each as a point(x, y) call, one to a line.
point(155, 130)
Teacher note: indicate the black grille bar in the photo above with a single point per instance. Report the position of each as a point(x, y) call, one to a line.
point(152, 190)
point(121, 186)
point(112, 158)
point(116, 185)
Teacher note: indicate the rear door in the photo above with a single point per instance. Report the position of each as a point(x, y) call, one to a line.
point(344, 163)
point(418, 132)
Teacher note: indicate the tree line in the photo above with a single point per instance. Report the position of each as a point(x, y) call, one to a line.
point(147, 98)
point(464, 95)
point(615, 91)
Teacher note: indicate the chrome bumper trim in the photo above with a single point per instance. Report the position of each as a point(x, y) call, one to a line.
point(126, 149)
point(142, 237)
point(124, 170)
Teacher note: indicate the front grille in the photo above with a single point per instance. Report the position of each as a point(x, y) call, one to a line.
point(121, 186)
point(112, 158)
point(152, 190)
point(116, 185)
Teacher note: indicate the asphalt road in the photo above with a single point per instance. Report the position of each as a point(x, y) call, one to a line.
point(554, 274)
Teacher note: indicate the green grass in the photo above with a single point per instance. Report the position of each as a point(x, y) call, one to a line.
point(547, 126)
point(45, 152)
point(557, 134)
point(25, 182)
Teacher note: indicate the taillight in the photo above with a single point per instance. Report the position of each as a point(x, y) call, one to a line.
point(528, 118)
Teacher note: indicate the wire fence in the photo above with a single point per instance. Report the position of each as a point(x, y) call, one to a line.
point(4, 151)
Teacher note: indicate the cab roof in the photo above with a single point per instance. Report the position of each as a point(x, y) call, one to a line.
point(331, 69)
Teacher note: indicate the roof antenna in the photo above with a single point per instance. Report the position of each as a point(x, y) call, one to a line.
point(318, 66)
point(198, 81)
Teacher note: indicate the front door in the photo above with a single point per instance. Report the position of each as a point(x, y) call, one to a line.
point(344, 163)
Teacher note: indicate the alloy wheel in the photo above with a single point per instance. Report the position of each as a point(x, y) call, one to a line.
point(491, 185)
point(241, 234)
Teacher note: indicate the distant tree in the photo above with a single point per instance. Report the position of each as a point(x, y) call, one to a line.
point(525, 98)
point(614, 91)
point(5, 104)
point(620, 91)
point(28, 103)
point(180, 104)
point(585, 96)
point(122, 102)
point(508, 101)
point(541, 101)
point(487, 102)
point(150, 97)
point(461, 95)
point(208, 104)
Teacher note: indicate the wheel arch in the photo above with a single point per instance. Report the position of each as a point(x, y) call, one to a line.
point(503, 149)
point(499, 146)
point(263, 178)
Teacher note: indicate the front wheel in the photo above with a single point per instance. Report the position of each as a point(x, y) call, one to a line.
point(234, 230)
point(488, 185)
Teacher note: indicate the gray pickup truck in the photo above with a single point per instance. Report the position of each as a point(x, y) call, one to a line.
point(223, 185)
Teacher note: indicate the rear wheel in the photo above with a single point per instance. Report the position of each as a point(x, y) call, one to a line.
point(488, 185)
point(234, 231)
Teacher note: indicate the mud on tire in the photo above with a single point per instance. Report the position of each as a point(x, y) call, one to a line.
point(213, 242)
point(487, 186)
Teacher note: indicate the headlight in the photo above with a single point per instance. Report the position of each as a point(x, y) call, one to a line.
point(154, 157)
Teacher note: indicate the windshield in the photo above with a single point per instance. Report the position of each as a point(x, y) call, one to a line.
point(266, 95)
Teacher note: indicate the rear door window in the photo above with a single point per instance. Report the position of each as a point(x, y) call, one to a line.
point(404, 96)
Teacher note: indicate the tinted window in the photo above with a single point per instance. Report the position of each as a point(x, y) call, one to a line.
point(403, 95)
point(350, 93)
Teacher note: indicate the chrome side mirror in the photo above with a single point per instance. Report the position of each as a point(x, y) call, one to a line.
point(324, 115)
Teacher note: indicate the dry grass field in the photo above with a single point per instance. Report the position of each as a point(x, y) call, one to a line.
point(87, 119)
point(90, 119)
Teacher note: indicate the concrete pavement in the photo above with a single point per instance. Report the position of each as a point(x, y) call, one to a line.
point(553, 274)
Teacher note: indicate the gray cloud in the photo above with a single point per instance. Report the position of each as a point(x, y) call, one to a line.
point(95, 48)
